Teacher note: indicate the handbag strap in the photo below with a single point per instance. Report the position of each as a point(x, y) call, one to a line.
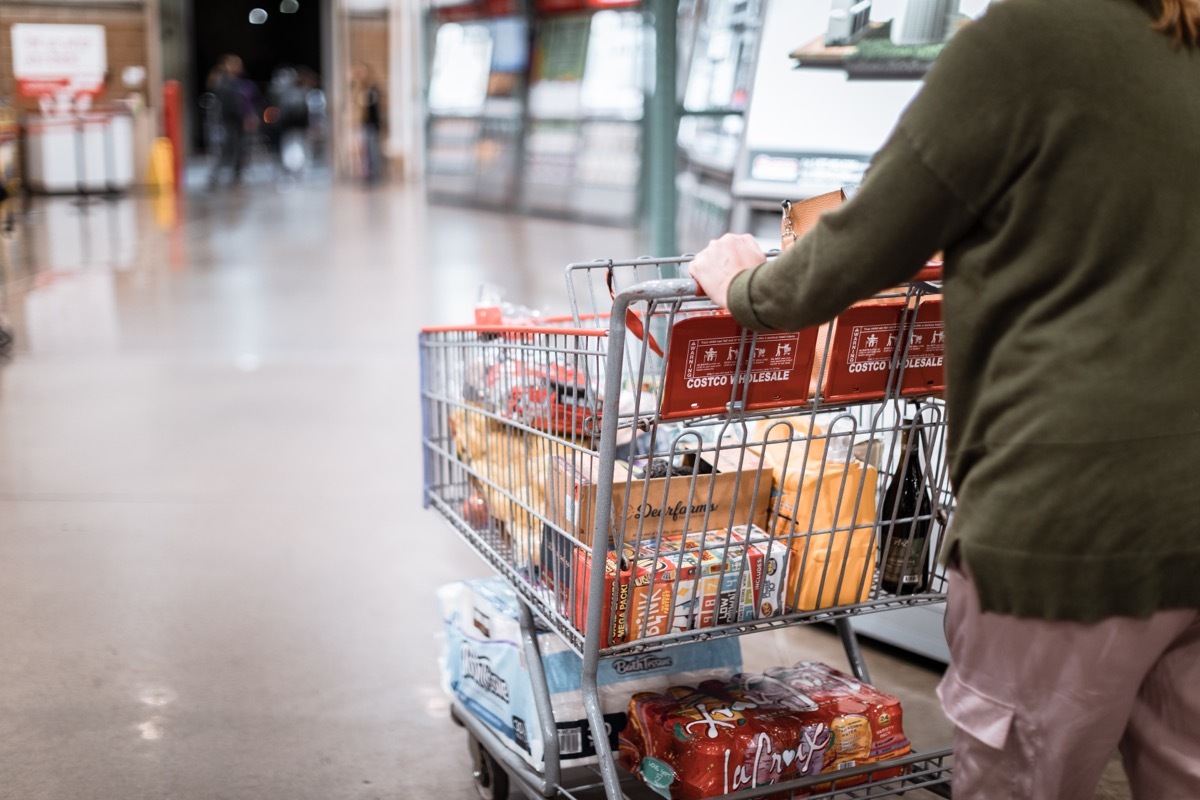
point(633, 321)
point(788, 237)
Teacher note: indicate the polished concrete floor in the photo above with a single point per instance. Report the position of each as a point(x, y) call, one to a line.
point(216, 578)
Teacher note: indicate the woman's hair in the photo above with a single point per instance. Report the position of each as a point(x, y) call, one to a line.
point(1179, 19)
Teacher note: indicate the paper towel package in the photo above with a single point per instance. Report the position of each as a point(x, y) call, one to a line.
point(484, 669)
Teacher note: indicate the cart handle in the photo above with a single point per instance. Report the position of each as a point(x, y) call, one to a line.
point(518, 330)
point(932, 271)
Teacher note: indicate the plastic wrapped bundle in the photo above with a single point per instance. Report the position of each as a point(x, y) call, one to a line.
point(759, 730)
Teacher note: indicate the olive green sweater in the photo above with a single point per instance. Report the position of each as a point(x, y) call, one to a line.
point(1054, 155)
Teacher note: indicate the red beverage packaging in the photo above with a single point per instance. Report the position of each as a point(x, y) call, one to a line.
point(759, 730)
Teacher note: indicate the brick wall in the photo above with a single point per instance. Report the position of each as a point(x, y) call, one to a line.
point(125, 38)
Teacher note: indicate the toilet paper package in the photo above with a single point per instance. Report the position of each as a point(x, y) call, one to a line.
point(484, 668)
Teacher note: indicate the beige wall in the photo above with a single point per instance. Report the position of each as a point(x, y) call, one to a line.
point(125, 37)
point(366, 41)
point(369, 44)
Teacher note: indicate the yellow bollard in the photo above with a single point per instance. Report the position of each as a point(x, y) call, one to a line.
point(166, 213)
point(162, 165)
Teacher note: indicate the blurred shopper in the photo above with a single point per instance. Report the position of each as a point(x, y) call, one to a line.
point(318, 119)
point(237, 101)
point(1052, 155)
point(368, 114)
point(288, 118)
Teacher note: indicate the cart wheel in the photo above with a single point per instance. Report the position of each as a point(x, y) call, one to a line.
point(491, 781)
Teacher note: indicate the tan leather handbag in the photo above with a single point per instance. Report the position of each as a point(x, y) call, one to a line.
point(800, 217)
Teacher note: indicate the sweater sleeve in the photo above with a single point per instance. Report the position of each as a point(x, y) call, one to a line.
point(951, 156)
point(899, 218)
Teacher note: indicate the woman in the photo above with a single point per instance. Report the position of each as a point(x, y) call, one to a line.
point(1053, 156)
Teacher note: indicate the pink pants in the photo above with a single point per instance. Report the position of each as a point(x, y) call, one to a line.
point(1039, 707)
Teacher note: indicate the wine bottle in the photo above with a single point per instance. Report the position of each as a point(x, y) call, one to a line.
point(904, 520)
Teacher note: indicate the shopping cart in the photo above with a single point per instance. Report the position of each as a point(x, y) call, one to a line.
point(645, 474)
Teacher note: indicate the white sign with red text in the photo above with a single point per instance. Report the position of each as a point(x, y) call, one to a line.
point(53, 60)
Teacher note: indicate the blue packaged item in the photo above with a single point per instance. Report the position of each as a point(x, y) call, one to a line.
point(483, 667)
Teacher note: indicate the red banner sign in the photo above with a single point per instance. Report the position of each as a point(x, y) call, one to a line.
point(558, 6)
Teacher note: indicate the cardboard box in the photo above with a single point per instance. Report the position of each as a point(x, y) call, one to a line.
point(666, 603)
point(702, 585)
point(769, 573)
point(735, 494)
point(633, 575)
point(725, 589)
point(729, 569)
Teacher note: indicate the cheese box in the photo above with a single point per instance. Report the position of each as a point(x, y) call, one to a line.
point(737, 492)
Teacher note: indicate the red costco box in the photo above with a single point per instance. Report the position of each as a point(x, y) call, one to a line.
point(710, 355)
point(866, 335)
point(865, 340)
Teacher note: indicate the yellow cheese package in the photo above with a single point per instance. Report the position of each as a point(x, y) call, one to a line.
point(826, 513)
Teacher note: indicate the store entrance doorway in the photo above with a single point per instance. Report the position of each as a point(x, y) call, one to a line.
point(281, 47)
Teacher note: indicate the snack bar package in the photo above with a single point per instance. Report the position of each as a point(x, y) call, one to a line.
point(708, 582)
point(484, 668)
point(682, 582)
point(644, 588)
point(759, 730)
point(741, 574)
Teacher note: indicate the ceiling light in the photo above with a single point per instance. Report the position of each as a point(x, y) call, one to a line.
point(289, 6)
point(258, 16)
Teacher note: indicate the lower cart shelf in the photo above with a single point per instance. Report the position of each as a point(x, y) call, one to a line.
point(924, 775)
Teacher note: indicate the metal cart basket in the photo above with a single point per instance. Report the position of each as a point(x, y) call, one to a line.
point(645, 473)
